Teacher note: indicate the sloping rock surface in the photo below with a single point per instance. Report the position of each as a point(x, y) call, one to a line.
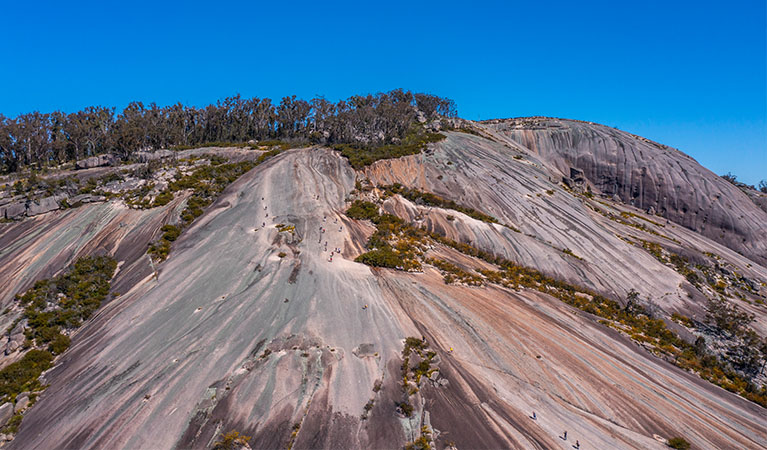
point(646, 175)
point(233, 336)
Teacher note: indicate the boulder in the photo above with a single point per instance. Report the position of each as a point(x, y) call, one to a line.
point(44, 205)
point(16, 338)
point(151, 156)
point(85, 198)
point(364, 350)
point(22, 401)
point(95, 161)
point(14, 210)
point(6, 412)
point(577, 175)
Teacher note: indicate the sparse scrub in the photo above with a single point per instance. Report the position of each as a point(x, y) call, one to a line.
point(678, 443)
point(232, 440)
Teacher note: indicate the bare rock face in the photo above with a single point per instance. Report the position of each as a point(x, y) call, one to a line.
point(95, 161)
point(6, 412)
point(646, 175)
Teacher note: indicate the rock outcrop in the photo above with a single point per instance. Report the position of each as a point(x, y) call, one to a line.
point(645, 174)
point(95, 161)
point(256, 330)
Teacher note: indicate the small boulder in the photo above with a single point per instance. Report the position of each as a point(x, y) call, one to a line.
point(14, 210)
point(22, 401)
point(364, 351)
point(43, 206)
point(6, 412)
point(577, 175)
point(95, 161)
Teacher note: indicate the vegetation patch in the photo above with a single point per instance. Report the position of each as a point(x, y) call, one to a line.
point(232, 440)
point(678, 443)
point(415, 141)
point(641, 324)
point(53, 308)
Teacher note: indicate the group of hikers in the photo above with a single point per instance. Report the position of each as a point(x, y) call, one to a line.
point(564, 435)
point(322, 231)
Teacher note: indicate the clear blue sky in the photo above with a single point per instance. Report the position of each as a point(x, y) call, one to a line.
point(688, 74)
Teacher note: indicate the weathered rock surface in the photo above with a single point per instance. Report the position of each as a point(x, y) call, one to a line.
point(645, 174)
point(213, 345)
point(6, 412)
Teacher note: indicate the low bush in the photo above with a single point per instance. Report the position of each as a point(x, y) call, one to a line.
point(678, 443)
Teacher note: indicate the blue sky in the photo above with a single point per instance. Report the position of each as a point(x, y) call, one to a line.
point(688, 74)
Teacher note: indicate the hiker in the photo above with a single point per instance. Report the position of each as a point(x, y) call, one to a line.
point(263, 224)
point(534, 416)
point(340, 228)
point(577, 444)
point(365, 307)
point(264, 208)
point(565, 435)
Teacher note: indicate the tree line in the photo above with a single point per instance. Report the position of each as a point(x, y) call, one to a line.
point(45, 139)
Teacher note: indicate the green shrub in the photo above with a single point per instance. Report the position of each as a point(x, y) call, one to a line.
point(22, 375)
point(678, 443)
point(170, 232)
point(232, 440)
point(412, 144)
point(163, 198)
point(381, 257)
point(362, 210)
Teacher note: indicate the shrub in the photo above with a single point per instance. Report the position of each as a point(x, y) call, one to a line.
point(381, 257)
point(412, 144)
point(678, 443)
point(362, 210)
point(163, 198)
point(406, 408)
point(22, 375)
point(231, 441)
